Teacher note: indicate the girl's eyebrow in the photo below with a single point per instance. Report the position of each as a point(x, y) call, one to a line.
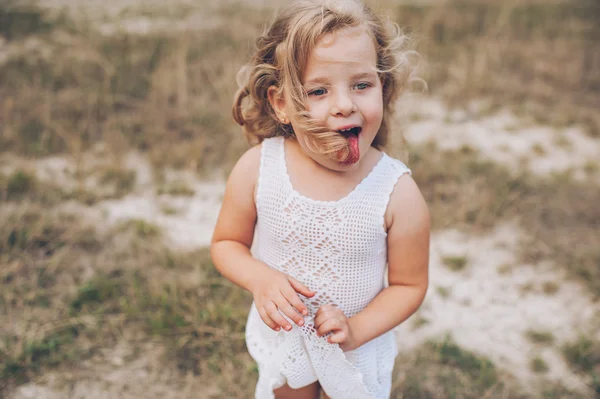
point(358, 76)
point(317, 81)
point(364, 75)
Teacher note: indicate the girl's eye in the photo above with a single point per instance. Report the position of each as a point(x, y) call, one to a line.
point(362, 85)
point(317, 92)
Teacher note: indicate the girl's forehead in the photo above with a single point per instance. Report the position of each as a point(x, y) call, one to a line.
point(349, 32)
point(352, 45)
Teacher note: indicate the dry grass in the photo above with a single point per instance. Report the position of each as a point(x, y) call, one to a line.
point(540, 58)
point(68, 293)
point(169, 94)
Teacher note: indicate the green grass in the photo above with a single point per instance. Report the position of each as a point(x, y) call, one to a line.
point(540, 337)
point(24, 185)
point(176, 189)
point(538, 365)
point(584, 355)
point(455, 263)
point(137, 287)
point(18, 21)
point(445, 370)
point(122, 180)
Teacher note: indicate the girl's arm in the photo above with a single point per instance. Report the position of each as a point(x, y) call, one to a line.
point(408, 259)
point(230, 249)
point(234, 231)
point(408, 264)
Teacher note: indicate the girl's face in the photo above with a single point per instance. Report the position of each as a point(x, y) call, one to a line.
point(345, 92)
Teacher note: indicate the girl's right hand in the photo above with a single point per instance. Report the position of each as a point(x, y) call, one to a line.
point(277, 292)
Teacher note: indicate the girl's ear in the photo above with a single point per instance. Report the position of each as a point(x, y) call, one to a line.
point(277, 101)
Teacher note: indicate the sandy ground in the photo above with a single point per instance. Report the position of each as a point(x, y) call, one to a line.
point(504, 138)
point(490, 305)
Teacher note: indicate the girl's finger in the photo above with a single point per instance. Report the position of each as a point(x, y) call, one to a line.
point(331, 325)
point(293, 298)
point(287, 309)
point(267, 319)
point(273, 312)
point(337, 338)
point(300, 288)
point(322, 317)
point(327, 308)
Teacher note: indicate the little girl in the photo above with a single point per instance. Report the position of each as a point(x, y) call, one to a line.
point(328, 207)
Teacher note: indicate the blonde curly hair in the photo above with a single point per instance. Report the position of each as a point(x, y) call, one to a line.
point(280, 59)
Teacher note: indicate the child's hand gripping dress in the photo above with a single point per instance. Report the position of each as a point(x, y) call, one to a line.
point(275, 292)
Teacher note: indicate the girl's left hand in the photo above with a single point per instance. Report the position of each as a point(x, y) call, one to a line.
point(328, 319)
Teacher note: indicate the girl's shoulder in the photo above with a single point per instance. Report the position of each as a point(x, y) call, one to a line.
point(406, 201)
point(244, 175)
point(250, 160)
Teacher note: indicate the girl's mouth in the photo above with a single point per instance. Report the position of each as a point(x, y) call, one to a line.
point(351, 135)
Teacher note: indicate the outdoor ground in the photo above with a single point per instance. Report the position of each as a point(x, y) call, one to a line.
point(116, 139)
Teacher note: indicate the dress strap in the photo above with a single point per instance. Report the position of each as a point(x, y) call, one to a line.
point(380, 184)
point(272, 165)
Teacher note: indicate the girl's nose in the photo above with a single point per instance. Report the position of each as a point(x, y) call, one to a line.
point(342, 105)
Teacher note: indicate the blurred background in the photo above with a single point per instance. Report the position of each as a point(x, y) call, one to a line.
point(116, 138)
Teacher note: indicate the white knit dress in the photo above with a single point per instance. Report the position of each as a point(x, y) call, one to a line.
point(338, 249)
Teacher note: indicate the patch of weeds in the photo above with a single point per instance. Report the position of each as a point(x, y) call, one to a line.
point(50, 351)
point(169, 210)
point(563, 142)
point(538, 365)
point(40, 300)
point(455, 263)
point(38, 249)
point(166, 318)
point(550, 287)
point(176, 189)
point(171, 260)
point(444, 292)
point(19, 20)
point(122, 180)
point(591, 168)
point(505, 269)
point(540, 337)
point(87, 240)
point(21, 185)
point(592, 126)
point(583, 354)
point(95, 292)
point(557, 391)
point(142, 228)
point(438, 366)
point(526, 288)
point(539, 150)
point(419, 321)
point(477, 367)
point(33, 232)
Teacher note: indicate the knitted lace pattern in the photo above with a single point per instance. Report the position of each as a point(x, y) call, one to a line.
point(339, 250)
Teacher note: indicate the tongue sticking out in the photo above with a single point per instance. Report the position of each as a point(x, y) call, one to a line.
point(354, 151)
